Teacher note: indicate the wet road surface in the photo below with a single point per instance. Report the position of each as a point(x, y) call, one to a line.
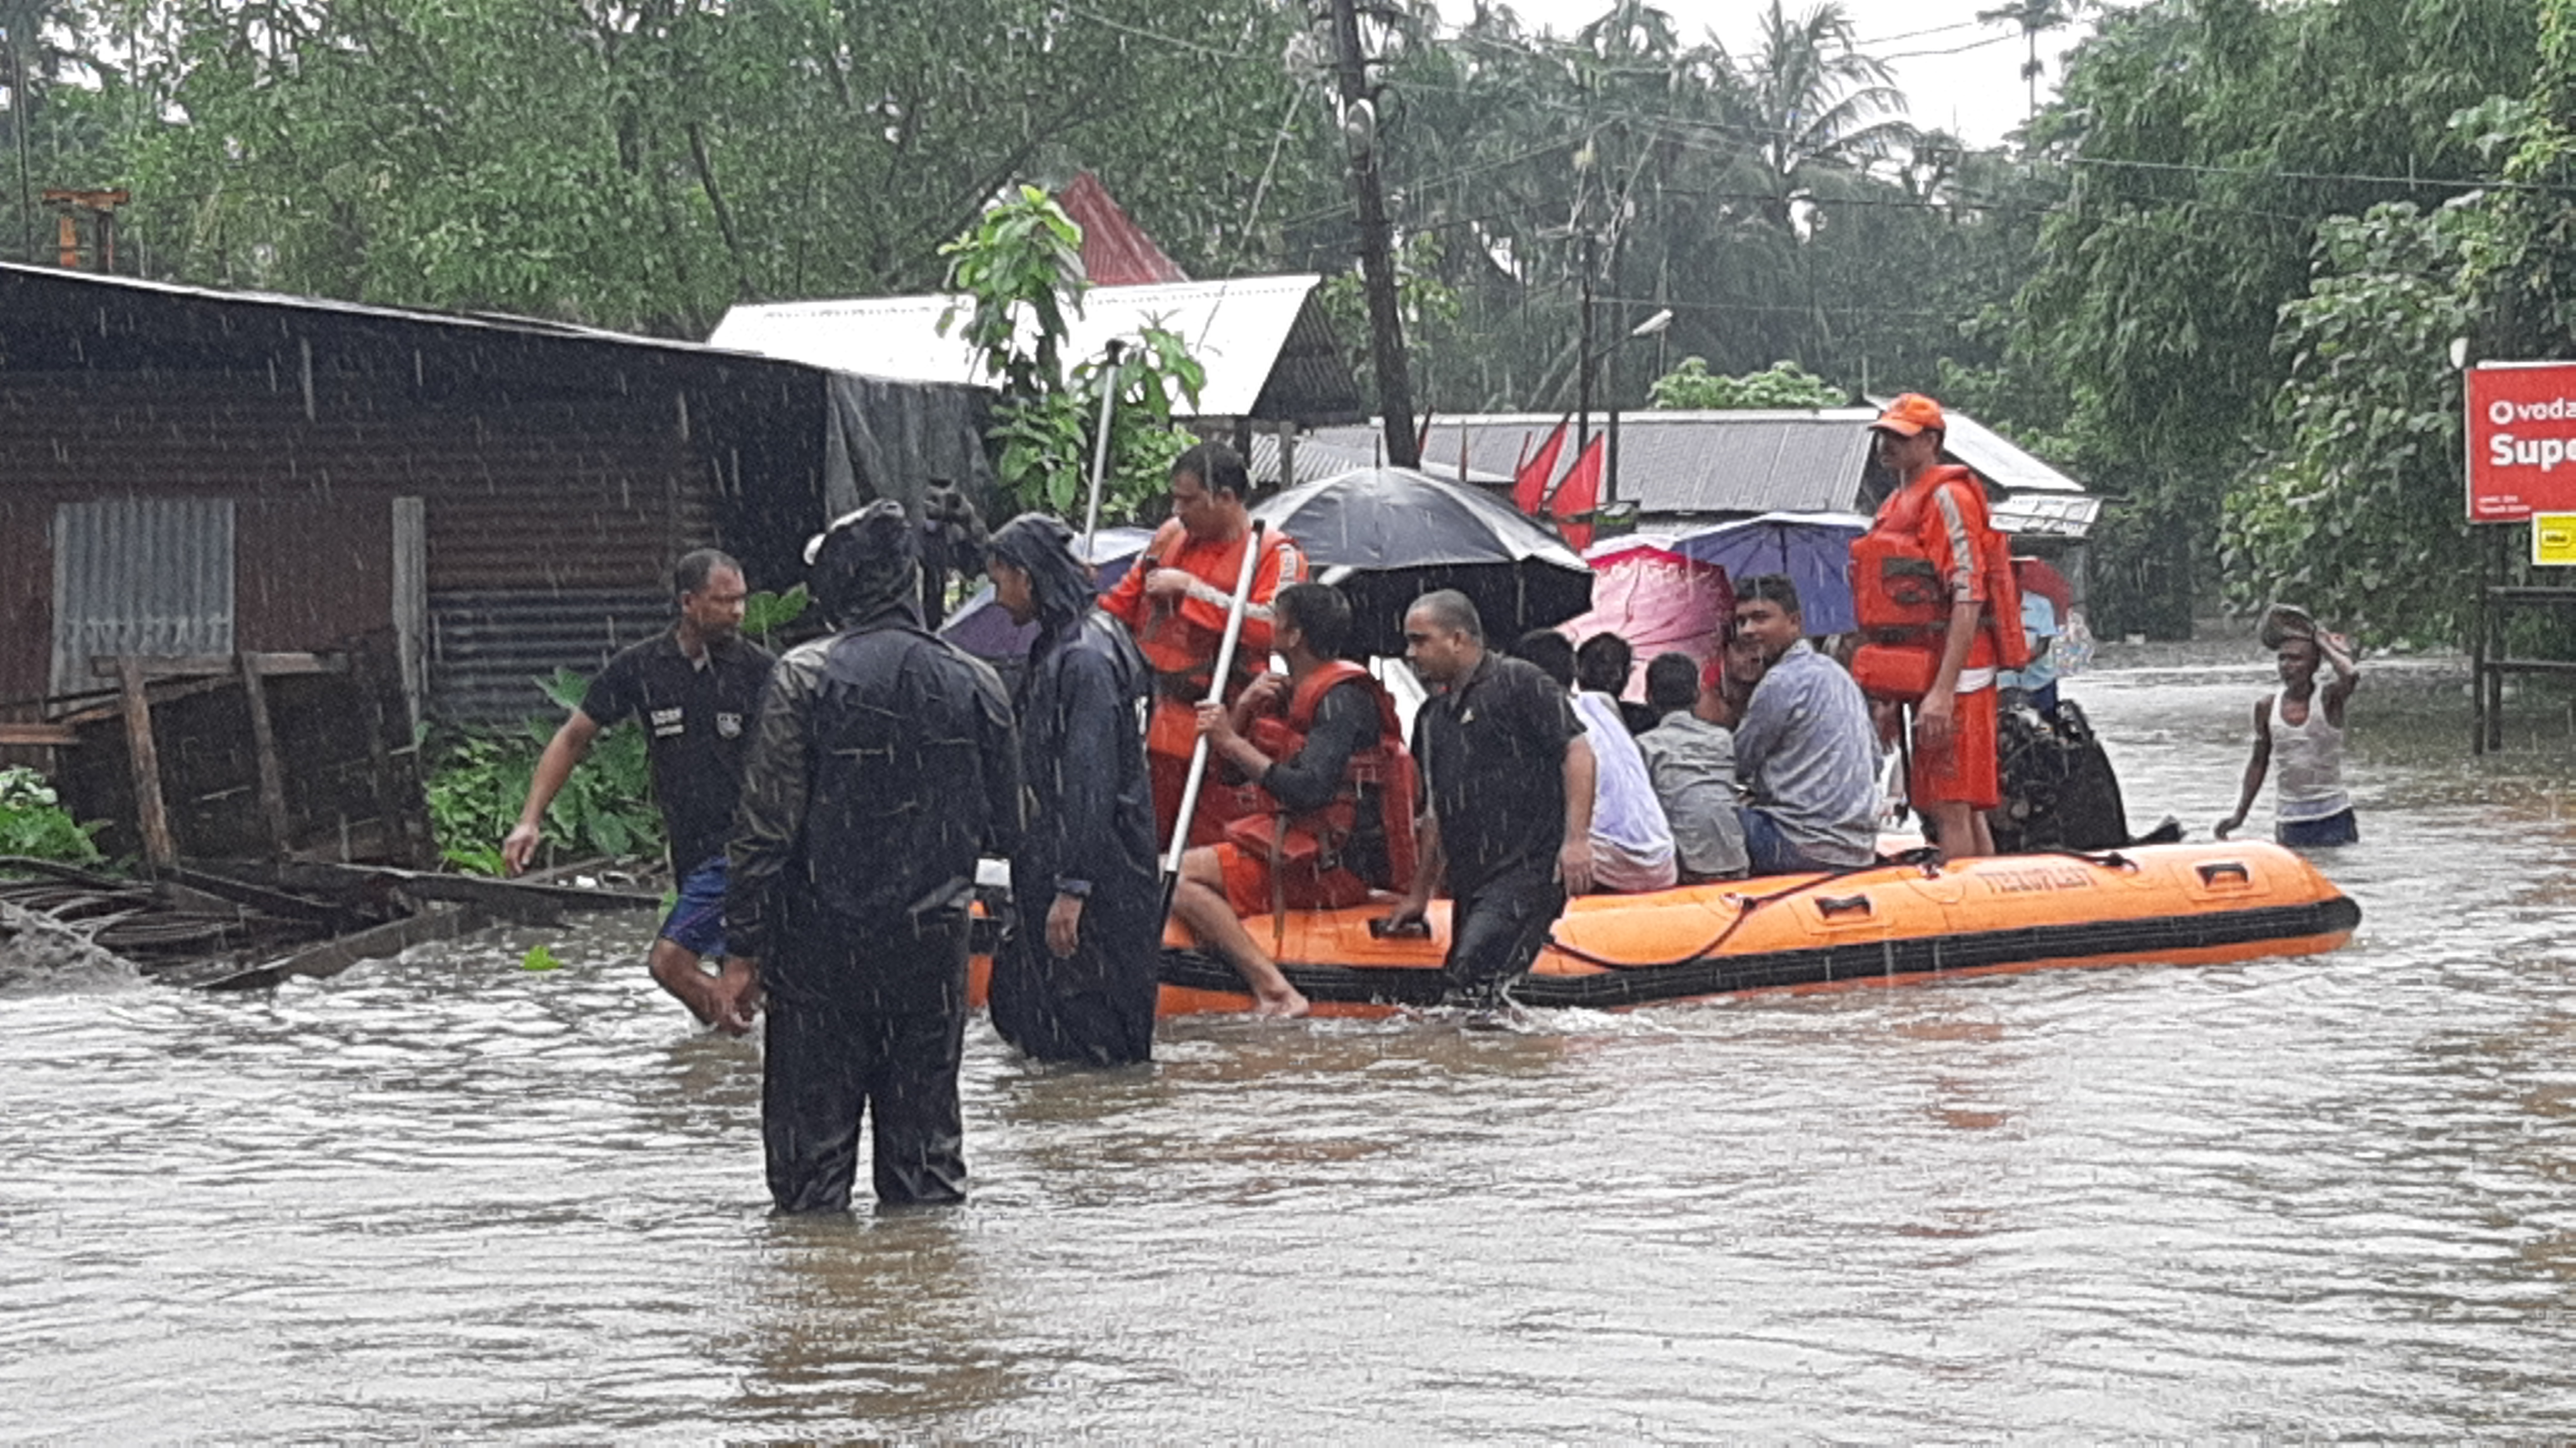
point(447, 1197)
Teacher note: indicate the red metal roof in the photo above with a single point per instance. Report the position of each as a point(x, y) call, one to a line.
point(1116, 252)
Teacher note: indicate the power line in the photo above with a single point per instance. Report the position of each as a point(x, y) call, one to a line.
point(1953, 50)
point(1919, 34)
point(2356, 177)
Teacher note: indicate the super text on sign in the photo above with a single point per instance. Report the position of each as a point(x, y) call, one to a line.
point(2521, 440)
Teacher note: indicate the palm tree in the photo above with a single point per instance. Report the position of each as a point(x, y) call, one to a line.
point(1816, 103)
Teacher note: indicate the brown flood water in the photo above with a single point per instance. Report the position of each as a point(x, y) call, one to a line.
point(448, 1198)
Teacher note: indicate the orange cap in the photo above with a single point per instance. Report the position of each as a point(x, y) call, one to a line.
point(1909, 414)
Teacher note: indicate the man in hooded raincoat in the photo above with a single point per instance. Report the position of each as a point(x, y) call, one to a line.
point(1077, 979)
point(883, 764)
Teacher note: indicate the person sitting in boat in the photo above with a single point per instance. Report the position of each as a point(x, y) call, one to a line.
point(1602, 666)
point(1632, 843)
point(1334, 819)
point(1506, 775)
point(1692, 764)
point(2303, 725)
point(1805, 751)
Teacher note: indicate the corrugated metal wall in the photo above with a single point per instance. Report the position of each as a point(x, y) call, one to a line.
point(557, 517)
point(559, 473)
point(139, 576)
point(487, 650)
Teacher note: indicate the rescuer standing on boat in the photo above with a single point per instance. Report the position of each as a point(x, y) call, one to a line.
point(1323, 745)
point(883, 764)
point(1508, 777)
point(1932, 582)
point(1078, 977)
point(1175, 601)
point(695, 690)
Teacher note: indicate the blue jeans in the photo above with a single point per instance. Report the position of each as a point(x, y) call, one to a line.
point(696, 923)
point(1770, 851)
point(2339, 828)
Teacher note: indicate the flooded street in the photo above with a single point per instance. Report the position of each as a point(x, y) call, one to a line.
point(449, 1197)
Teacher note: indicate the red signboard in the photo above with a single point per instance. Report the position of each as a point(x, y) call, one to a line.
point(2522, 440)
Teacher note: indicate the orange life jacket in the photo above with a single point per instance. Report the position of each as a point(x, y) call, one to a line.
point(1377, 789)
point(1902, 597)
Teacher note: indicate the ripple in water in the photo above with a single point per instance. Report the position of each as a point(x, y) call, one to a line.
point(445, 1196)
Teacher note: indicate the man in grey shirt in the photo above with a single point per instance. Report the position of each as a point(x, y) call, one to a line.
point(1692, 763)
point(1804, 748)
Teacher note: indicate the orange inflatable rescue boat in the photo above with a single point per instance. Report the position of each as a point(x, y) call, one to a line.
point(2193, 904)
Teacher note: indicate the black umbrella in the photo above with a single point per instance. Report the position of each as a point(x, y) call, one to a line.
point(1386, 536)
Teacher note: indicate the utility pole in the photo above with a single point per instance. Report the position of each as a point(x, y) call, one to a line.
point(1610, 383)
point(1584, 364)
point(1377, 263)
point(18, 128)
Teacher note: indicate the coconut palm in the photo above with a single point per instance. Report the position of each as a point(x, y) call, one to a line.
point(1817, 104)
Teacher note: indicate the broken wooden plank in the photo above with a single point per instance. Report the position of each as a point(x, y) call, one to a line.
point(160, 852)
point(188, 666)
point(263, 739)
point(331, 957)
point(52, 735)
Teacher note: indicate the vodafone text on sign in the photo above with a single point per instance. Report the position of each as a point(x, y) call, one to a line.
point(2521, 440)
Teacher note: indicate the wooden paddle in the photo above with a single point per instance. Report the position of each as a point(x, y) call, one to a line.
point(1234, 612)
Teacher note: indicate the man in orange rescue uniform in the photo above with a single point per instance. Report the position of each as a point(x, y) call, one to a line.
point(1335, 796)
point(1936, 521)
point(1175, 601)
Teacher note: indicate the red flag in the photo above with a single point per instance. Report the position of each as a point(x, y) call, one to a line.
point(1529, 483)
point(1579, 494)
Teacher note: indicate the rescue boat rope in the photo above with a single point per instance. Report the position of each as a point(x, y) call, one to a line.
point(1925, 858)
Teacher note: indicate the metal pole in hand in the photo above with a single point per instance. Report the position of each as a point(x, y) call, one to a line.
point(1216, 695)
point(1100, 449)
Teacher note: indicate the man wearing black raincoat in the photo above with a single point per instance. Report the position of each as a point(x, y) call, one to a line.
point(1077, 979)
point(884, 762)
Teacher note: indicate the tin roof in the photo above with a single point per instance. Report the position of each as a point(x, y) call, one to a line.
point(1317, 460)
point(489, 322)
point(1264, 341)
point(1116, 252)
point(1735, 463)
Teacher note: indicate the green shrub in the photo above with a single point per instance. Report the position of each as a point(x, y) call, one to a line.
point(478, 778)
point(34, 823)
point(1692, 387)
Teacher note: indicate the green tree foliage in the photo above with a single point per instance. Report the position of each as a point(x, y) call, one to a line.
point(1783, 384)
point(1774, 200)
point(1019, 270)
point(2355, 512)
point(2207, 143)
point(645, 163)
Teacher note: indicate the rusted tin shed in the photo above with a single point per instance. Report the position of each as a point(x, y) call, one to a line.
point(185, 471)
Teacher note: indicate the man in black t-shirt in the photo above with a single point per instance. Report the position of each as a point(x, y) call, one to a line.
point(695, 690)
point(1507, 777)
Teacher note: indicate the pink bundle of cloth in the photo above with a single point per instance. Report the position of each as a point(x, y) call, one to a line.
point(1656, 599)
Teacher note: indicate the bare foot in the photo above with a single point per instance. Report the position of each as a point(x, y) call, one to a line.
point(1286, 1007)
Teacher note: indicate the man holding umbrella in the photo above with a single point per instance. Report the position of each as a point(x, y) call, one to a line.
point(1175, 600)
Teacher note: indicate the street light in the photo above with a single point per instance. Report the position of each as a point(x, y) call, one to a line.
point(1651, 327)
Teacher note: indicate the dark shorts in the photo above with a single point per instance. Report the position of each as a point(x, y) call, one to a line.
point(2339, 828)
point(696, 923)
